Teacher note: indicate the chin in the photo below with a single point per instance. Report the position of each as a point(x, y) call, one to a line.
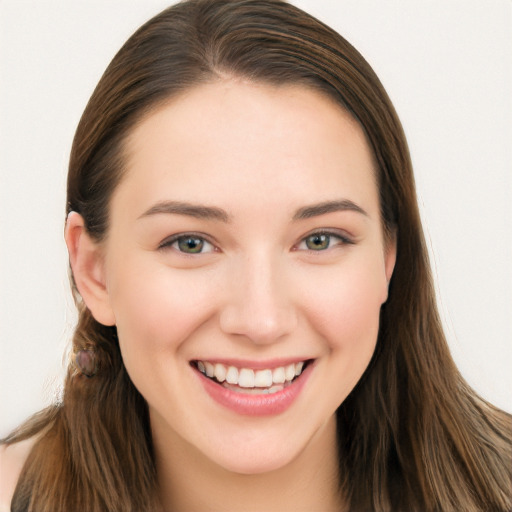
point(257, 451)
point(256, 463)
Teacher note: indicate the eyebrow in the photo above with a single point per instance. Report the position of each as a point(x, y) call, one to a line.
point(189, 209)
point(214, 213)
point(327, 207)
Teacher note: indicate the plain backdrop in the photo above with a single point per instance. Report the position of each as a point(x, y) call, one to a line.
point(447, 66)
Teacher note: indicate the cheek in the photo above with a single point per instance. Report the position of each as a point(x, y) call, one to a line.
point(156, 310)
point(346, 311)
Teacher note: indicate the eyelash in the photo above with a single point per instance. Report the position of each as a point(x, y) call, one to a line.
point(342, 240)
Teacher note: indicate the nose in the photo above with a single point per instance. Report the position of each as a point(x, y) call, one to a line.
point(259, 303)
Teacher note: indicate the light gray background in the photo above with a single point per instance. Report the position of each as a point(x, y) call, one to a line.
point(447, 66)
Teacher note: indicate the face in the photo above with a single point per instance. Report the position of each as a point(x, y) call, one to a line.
point(245, 269)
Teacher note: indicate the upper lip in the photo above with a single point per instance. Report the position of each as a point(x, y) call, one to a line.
point(254, 364)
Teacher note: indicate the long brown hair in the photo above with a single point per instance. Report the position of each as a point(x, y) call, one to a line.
point(412, 435)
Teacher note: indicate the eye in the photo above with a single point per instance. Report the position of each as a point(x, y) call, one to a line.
point(318, 242)
point(188, 244)
point(321, 241)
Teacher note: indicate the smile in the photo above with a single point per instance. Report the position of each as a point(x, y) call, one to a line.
point(251, 391)
point(247, 380)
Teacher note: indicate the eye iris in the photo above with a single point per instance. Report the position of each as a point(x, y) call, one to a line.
point(317, 242)
point(190, 244)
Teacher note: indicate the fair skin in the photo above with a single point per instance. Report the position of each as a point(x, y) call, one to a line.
point(281, 261)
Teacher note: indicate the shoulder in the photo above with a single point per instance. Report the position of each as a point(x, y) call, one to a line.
point(12, 459)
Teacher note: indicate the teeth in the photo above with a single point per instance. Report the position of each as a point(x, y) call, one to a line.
point(220, 372)
point(270, 380)
point(255, 391)
point(209, 369)
point(278, 375)
point(289, 372)
point(232, 375)
point(263, 379)
point(246, 378)
point(273, 389)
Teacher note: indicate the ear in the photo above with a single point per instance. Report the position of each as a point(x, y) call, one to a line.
point(88, 267)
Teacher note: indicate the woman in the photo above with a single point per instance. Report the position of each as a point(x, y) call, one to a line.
point(257, 321)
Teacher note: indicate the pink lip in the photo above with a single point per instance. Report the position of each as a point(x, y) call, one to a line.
point(256, 405)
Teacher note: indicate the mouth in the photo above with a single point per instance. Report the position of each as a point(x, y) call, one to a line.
point(250, 381)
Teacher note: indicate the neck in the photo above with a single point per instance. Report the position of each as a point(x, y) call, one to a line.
point(189, 481)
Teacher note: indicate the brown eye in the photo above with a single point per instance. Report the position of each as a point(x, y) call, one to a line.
point(318, 242)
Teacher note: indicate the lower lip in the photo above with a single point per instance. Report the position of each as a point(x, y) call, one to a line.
point(256, 405)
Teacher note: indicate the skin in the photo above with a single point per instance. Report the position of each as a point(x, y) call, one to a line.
point(257, 292)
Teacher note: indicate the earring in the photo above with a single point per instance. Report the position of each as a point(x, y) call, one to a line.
point(85, 362)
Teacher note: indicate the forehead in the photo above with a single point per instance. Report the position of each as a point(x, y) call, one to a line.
point(248, 143)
